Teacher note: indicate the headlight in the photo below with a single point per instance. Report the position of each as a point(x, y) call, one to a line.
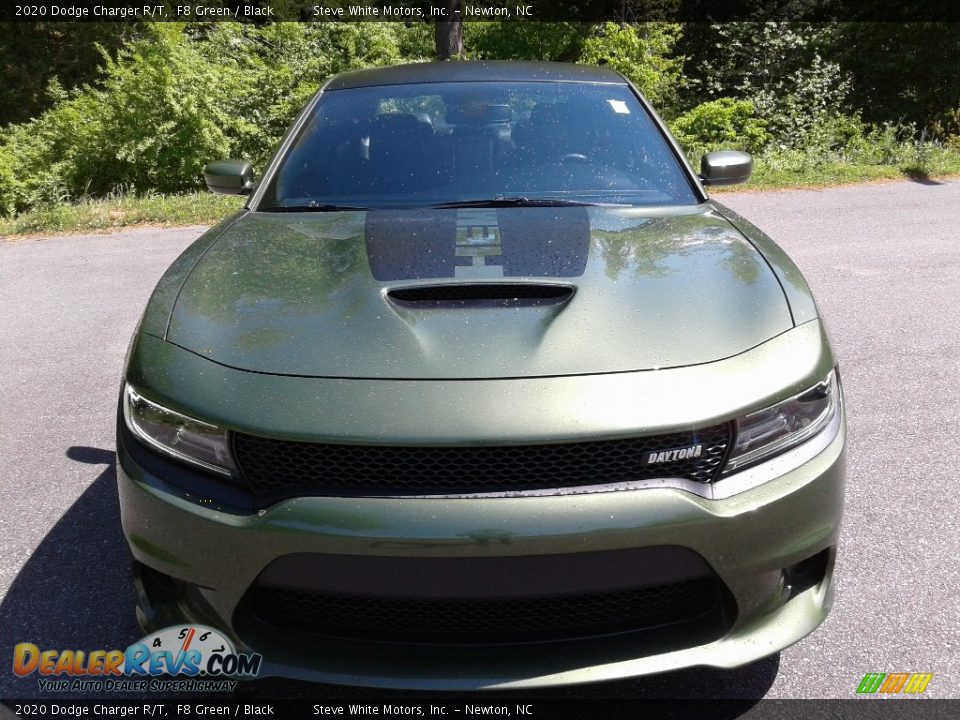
point(781, 427)
point(176, 435)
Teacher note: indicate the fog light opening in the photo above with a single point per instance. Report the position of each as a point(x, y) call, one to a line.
point(807, 573)
point(154, 579)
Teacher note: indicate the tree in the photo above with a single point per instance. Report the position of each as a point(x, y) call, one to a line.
point(32, 54)
point(448, 34)
point(784, 69)
point(518, 40)
point(643, 52)
point(904, 72)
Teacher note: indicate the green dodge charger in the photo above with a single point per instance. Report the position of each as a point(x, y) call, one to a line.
point(479, 390)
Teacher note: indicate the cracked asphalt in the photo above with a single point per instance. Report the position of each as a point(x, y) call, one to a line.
point(884, 263)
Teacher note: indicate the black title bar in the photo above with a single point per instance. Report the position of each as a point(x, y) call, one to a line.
point(258, 11)
point(519, 707)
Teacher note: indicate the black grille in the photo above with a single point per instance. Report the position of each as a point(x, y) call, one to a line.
point(484, 620)
point(271, 466)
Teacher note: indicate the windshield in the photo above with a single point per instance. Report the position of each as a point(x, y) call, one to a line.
point(444, 144)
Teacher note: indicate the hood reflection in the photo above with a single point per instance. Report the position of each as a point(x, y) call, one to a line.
point(474, 244)
point(310, 294)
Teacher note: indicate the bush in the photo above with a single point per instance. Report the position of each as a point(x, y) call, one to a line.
point(780, 67)
point(35, 163)
point(846, 138)
point(725, 124)
point(282, 65)
point(178, 97)
point(152, 122)
point(8, 201)
point(640, 52)
point(514, 40)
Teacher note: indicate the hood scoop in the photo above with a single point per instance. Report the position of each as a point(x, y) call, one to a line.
point(460, 295)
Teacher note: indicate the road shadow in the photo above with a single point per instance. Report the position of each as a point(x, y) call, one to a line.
point(76, 592)
point(919, 176)
point(740, 689)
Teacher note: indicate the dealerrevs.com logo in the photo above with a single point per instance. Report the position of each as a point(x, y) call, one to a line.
point(201, 659)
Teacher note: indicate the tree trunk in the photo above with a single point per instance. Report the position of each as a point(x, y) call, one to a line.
point(448, 33)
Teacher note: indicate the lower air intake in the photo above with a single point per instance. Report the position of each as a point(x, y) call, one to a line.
point(484, 620)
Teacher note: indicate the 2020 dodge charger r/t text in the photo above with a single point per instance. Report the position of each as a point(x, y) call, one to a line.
point(480, 389)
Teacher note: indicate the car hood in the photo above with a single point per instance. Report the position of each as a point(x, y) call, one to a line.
point(477, 293)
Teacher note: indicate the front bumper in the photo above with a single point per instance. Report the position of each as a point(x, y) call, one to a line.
point(770, 547)
point(756, 542)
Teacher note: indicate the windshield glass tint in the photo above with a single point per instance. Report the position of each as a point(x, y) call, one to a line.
point(439, 143)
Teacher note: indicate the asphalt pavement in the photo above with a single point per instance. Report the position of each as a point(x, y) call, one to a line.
point(884, 263)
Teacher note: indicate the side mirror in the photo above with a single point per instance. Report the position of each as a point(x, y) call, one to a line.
point(229, 177)
point(726, 167)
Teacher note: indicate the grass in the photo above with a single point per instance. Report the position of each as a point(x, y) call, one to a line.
point(785, 169)
point(776, 170)
point(90, 214)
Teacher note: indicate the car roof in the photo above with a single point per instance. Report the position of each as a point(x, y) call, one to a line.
point(475, 71)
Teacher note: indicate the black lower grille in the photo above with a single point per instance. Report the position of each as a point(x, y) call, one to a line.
point(484, 620)
point(269, 465)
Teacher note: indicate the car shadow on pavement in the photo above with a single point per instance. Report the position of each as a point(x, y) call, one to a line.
point(76, 592)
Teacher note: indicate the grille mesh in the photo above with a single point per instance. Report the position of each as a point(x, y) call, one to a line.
point(486, 620)
point(271, 466)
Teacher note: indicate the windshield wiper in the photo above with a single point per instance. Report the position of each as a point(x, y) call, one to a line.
point(514, 201)
point(312, 207)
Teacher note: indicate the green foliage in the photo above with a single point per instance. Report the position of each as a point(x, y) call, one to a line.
point(512, 40)
point(7, 182)
point(121, 210)
point(139, 108)
point(151, 123)
point(641, 52)
point(887, 72)
point(160, 117)
point(779, 67)
point(839, 138)
point(843, 149)
point(278, 67)
point(724, 124)
point(34, 53)
point(178, 97)
point(34, 167)
point(903, 72)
